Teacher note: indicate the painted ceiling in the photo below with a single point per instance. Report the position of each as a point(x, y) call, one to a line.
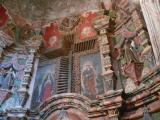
point(48, 10)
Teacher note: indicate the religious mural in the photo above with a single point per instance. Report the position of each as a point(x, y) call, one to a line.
point(12, 71)
point(45, 83)
point(52, 36)
point(87, 30)
point(11, 75)
point(91, 78)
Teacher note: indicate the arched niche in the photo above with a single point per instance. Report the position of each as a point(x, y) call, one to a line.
point(74, 106)
point(70, 114)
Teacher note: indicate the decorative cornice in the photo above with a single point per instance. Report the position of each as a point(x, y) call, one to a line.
point(103, 106)
point(147, 95)
point(18, 112)
point(66, 101)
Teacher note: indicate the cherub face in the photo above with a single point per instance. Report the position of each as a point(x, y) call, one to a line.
point(52, 40)
point(86, 31)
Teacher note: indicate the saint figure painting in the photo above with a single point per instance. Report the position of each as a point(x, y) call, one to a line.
point(91, 78)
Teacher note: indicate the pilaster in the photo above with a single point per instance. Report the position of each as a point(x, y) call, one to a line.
point(151, 13)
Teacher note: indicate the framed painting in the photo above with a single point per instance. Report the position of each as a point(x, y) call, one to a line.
point(88, 79)
point(52, 36)
point(86, 29)
point(54, 42)
point(45, 81)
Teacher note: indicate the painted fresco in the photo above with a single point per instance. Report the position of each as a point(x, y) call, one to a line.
point(87, 30)
point(12, 71)
point(45, 83)
point(13, 101)
point(52, 36)
point(11, 75)
point(91, 78)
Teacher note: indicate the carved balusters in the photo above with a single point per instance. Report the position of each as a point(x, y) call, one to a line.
point(62, 82)
point(106, 61)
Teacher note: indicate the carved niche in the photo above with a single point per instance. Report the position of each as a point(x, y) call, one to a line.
point(87, 73)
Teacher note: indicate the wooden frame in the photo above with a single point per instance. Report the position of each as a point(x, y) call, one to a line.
point(55, 61)
point(43, 62)
point(76, 82)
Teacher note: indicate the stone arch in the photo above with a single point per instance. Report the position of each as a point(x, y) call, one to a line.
point(75, 105)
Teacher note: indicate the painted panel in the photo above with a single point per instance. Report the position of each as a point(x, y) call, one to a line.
point(12, 71)
point(45, 83)
point(11, 75)
point(91, 78)
point(52, 36)
point(13, 101)
point(87, 30)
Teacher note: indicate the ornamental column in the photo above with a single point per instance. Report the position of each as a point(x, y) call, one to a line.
point(106, 61)
point(101, 23)
point(151, 12)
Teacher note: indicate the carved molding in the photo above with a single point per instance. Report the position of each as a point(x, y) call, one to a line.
point(106, 105)
point(65, 101)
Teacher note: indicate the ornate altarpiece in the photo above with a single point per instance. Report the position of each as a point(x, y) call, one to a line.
point(72, 95)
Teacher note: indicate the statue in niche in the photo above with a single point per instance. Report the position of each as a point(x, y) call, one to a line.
point(88, 78)
point(47, 87)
